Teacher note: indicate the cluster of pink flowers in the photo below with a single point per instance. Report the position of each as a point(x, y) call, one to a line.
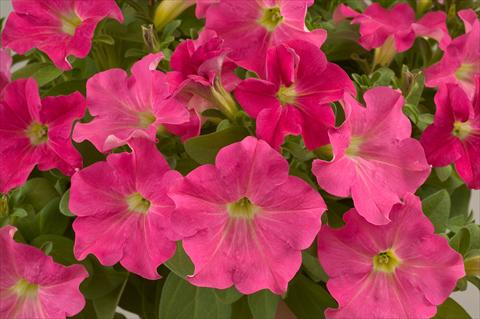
point(243, 220)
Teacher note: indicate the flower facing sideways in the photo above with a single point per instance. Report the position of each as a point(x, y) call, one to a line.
point(126, 107)
point(123, 212)
point(33, 285)
point(201, 72)
point(395, 29)
point(249, 28)
point(461, 59)
point(58, 28)
point(375, 160)
point(244, 220)
point(399, 270)
point(454, 136)
point(36, 132)
point(294, 96)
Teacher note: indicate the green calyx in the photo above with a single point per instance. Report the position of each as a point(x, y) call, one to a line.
point(242, 208)
point(70, 23)
point(37, 133)
point(386, 261)
point(271, 18)
point(461, 129)
point(286, 95)
point(137, 203)
point(25, 289)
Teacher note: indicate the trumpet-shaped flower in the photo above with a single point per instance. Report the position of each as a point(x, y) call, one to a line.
point(244, 220)
point(5, 65)
point(394, 30)
point(36, 132)
point(126, 107)
point(58, 28)
point(454, 136)
point(251, 27)
point(294, 96)
point(33, 285)
point(199, 67)
point(399, 270)
point(123, 212)
point(461, 59)
point(375, 160)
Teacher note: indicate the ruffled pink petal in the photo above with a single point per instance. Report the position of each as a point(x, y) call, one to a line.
point(98, 11)
point(468, 166)
point(281, 64)
point(5, 65)
point(255, 95)
point(315, 125)
point(441, 148)
point(343, 11)
point(275, 123)
point(433, 25)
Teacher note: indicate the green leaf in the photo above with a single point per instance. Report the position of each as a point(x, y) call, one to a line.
point(382, 77)
point(437, 208)
point(451, 309)
point(181, 300)
point(102, 281)
point(42, 72)
point(229, 295)
point(443, 173)
point(104, 38)
point(313, 268)
point(64, 204)
point(461, 241)
point(68, 87)
point(263, 304)
point(460, 199)
point(62, 248)
point(204, 148)
point(307, 299)
point(180, 263)
point(105, 306)
point(37, 192)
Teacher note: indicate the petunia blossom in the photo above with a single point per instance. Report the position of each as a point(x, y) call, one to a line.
point(399, 270)
point(36, 132)
point(461, 59)
point(5, 65)
point(126, 107)
point(123, 212)
point(200, 71)
point(375, 161)
point(251, 27)
point(33, 285)
point(454, 136)
point(395, 29)
point(294, 96)
point(57, 28)
point(244, 220)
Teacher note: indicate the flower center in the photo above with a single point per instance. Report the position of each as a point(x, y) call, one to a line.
point(354, 148)
point(37, 133)
point(271, 18)
point(461, 129)
point(137, 203)
point(145, 119)
point(25, 289)
point(70, 22)
point(286, 95)
point(465, 72)
point(386, 261)
point(242, 208)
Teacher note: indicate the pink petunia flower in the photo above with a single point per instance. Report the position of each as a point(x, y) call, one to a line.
point(250, 27)
point(58, 28)
point(244, 220)
point(461, 59)
point(394, 30)
point(200, 69)
point(123, 212)
point(454, 136)
point(399, 270)
point(33, 285)
point(36, 132)
point(375, 160)
point(5, 65)
point(126, 107)
point(294, 96)
point(378, 25)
